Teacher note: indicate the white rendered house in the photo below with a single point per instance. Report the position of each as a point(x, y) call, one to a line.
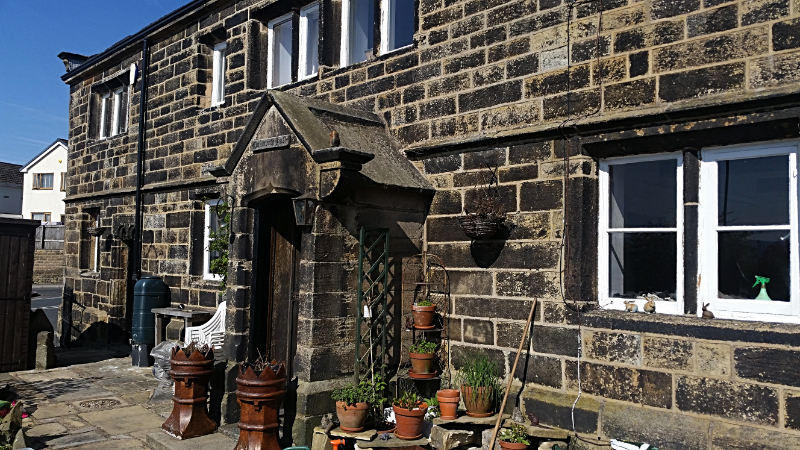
point(45, 184)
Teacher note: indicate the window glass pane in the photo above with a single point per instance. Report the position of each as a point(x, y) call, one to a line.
point(754, 191)
point(643, 263)
point(47, 181)
point(218, 74)
point(401, 23)
point(643, 195)
point(312, 41)
point(743, 255)
point(38, 217)
point(282, 53)
point(362, 21)
point(213, 226)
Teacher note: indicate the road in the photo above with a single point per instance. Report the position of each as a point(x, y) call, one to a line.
point(49, 300)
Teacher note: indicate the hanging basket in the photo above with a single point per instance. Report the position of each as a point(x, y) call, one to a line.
point(480, 226)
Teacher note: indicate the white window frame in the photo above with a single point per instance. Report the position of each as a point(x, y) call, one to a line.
point(207, 275)
point(745, 309)
point(96, 246)
point(218, 74)
point(116, 113)
point(303, 47)
point(387, 11)
point(104, 100)
point(344, 55)
point(605, 300)
point(271, 47)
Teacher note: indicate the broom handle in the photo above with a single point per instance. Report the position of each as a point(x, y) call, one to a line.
point(511, 377)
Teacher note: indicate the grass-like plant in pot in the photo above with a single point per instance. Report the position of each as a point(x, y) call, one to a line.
point(353, 405)
point(422, 356)
point(424, 313)
point(409, 411)
point(515, 438)
point(480, 385)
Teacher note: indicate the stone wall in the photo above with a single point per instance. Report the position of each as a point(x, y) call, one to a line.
point(48, 267)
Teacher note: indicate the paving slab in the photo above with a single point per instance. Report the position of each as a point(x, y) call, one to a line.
point(46, 430)
point(392, 442)
point(162, 441)
point(51, 410)
point(74, 440)
point(366, 435)
point(33, 376)
point(123, 420)
point(129, 444)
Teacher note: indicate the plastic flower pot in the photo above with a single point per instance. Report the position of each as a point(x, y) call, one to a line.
point(423, 316)
point(513, 445)
point(448, 403)
point(352, 417)
point(189, 416)
point(479, 403)
point(422, 362)
point(409, 421)
point(260, 397)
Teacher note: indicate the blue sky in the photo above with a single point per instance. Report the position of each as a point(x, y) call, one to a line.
point(33, 99)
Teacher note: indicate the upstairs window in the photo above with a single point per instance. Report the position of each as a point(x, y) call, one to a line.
point(279, 69)
point(113, 106)
point(218, 74)
point(43, 181)
point(309, 41)
point(397, 24)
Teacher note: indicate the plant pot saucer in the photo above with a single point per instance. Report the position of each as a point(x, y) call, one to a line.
point(489, 414)
point(422, 376)
point(390, 430)
point(408, 438)
point(419, 327)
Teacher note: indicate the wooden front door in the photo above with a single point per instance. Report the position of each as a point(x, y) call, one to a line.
point(274, 319)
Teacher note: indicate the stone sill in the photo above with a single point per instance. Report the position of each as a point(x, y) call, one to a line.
point(88, 274)
point(695, 327)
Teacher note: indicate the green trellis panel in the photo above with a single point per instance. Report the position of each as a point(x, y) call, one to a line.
point(373, 273)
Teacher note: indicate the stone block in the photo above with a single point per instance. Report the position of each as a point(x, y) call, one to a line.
point(558, 313)
point(639, 63)
point(446, 439)
point(493, 308)
point(499, 255)
point(480, 159)
point(504, 117)
point(663, 353)
point(757, 11)
point(555, 409)
point(569, 105)
point(665, 429)
point(490, 96)
point(446, 202)
point(737, 437)
point(45, 351)
point(555, 340)
point(786, 35)
point(442, 164)
point(526, 284)
point(713, 359)
point(555, 82)
point(776, 70)
point(613, 347)
point(486, 437)
point(541, 195)
point(660, 9)
point(464, 62)
point(701, 82)
point(734, 45)
point(478, 331)
point(712, 21)
point(646, 387)
point(537, 369)
point(767, 365)
point(631, 94)
point(510, 333)
point(646, 36)
point(528, 153)
point(732, 400)
point(488, 75)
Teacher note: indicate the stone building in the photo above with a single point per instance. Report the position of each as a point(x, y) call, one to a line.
point(688, 108)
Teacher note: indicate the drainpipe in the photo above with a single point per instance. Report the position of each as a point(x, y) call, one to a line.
point(137, 245)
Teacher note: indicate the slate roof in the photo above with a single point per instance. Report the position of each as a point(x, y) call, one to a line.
point(10, 173)
point(313, 120)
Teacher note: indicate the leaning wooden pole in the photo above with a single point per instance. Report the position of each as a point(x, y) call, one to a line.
point(511, 376)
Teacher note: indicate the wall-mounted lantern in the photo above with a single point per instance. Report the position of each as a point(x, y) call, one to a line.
point(304, 209)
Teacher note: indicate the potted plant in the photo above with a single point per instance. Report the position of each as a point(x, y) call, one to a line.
point(483, 219)
point(515, 438)
point(448, 403)
point(422, 356)
point(480, 385)
point(190, 369)
point(424, 313)
point(409, 411)
point(352, 406)
point(260, 389)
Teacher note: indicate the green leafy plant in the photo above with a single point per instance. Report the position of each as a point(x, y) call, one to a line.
point(478, 372)
point(219, 242)
point(423, 347)
point(517, 434)
point(433, 408)
point(364, 392)
point(377, 400)
point(408, 401)
point(425, 303)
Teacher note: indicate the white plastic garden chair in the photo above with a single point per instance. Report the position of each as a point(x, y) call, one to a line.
point(211, 333)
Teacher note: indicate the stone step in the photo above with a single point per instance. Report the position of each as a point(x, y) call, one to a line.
point(163, 441)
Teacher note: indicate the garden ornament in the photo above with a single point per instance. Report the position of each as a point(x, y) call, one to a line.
point(706, 313)
point(631, 306)
point(763, 294)
point(650, 306)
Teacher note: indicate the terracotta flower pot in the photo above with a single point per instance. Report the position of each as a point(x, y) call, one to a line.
point(423, 316)
point(409, 421)
point(260, 397)
point(480, 403)
point(448, 403)
point(352, 417)
point(189, 416)
point(512, 445)
point(422, 362)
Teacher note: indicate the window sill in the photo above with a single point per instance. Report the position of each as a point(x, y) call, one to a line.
point(90, 274)
point(696, 327)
